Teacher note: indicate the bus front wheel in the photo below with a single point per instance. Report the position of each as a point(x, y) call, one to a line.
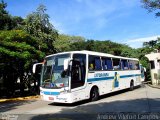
point(94, 95)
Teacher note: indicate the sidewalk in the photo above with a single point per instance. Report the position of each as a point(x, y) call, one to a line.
point(20, 98)
point(154, 86)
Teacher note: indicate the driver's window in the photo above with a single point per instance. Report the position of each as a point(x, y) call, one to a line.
point(78, 70)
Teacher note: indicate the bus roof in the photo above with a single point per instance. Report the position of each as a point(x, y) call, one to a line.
point(93, 53)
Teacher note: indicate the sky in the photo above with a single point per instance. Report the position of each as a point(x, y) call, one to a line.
point(121, 21)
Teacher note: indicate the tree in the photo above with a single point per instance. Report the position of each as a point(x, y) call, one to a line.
point(18, 51)
point(5, 18)
point(67, 42)
point(127, 51)
point(8, 22)
point(151, 43)
point(141, 52)
point(38, 25)
point(18, 23)
point(152, 5)
point(81, 45)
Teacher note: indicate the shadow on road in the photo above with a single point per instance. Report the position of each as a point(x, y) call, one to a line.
point(10, 105)
point(94, 110)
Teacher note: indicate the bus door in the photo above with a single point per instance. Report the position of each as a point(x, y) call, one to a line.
point(78, 72)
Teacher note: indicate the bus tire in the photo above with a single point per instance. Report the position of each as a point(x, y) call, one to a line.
point(131, 85)
point(94, 94)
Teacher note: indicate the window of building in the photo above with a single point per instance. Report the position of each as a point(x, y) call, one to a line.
point(158, 64)
point(152, 64)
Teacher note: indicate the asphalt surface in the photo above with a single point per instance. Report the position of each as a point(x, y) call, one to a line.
point(142, 100)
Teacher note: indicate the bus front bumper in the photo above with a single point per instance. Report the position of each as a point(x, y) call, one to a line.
point(57, 98)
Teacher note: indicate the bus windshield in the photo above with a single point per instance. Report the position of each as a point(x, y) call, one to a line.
point(52, 72)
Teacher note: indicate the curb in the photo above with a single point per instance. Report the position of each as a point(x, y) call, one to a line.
point(153, 86)
point(146, 82)
point(20, 98)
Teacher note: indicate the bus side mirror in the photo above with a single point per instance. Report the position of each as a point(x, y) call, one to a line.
point(66, 64)
point(36, 66)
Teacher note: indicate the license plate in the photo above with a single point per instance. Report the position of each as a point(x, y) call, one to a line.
point(51, 98)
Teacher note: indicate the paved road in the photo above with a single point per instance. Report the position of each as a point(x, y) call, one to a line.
point(143, 99)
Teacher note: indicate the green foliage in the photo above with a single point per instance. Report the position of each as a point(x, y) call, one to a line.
point(19, 49)
point(18, 52)
point(38, 25)
point(141, 52)
point(157, 46)
point(18, 23)
point(5, 18)
point(151, 43)
point(105, 47)
point(66, 42)
point(19, 45)
point(7, 22)
point(152, 5)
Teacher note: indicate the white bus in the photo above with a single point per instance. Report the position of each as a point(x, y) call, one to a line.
point(73, 76)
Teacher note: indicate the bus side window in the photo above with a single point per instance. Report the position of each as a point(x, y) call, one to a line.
point(104, 66)
point(94, 63)
point(91, 65)
point(98, 64)
point(116, 64)
point(137, 67)
point(107, 64)
point(130, 65)
point(124, 64)
point(134, 65)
